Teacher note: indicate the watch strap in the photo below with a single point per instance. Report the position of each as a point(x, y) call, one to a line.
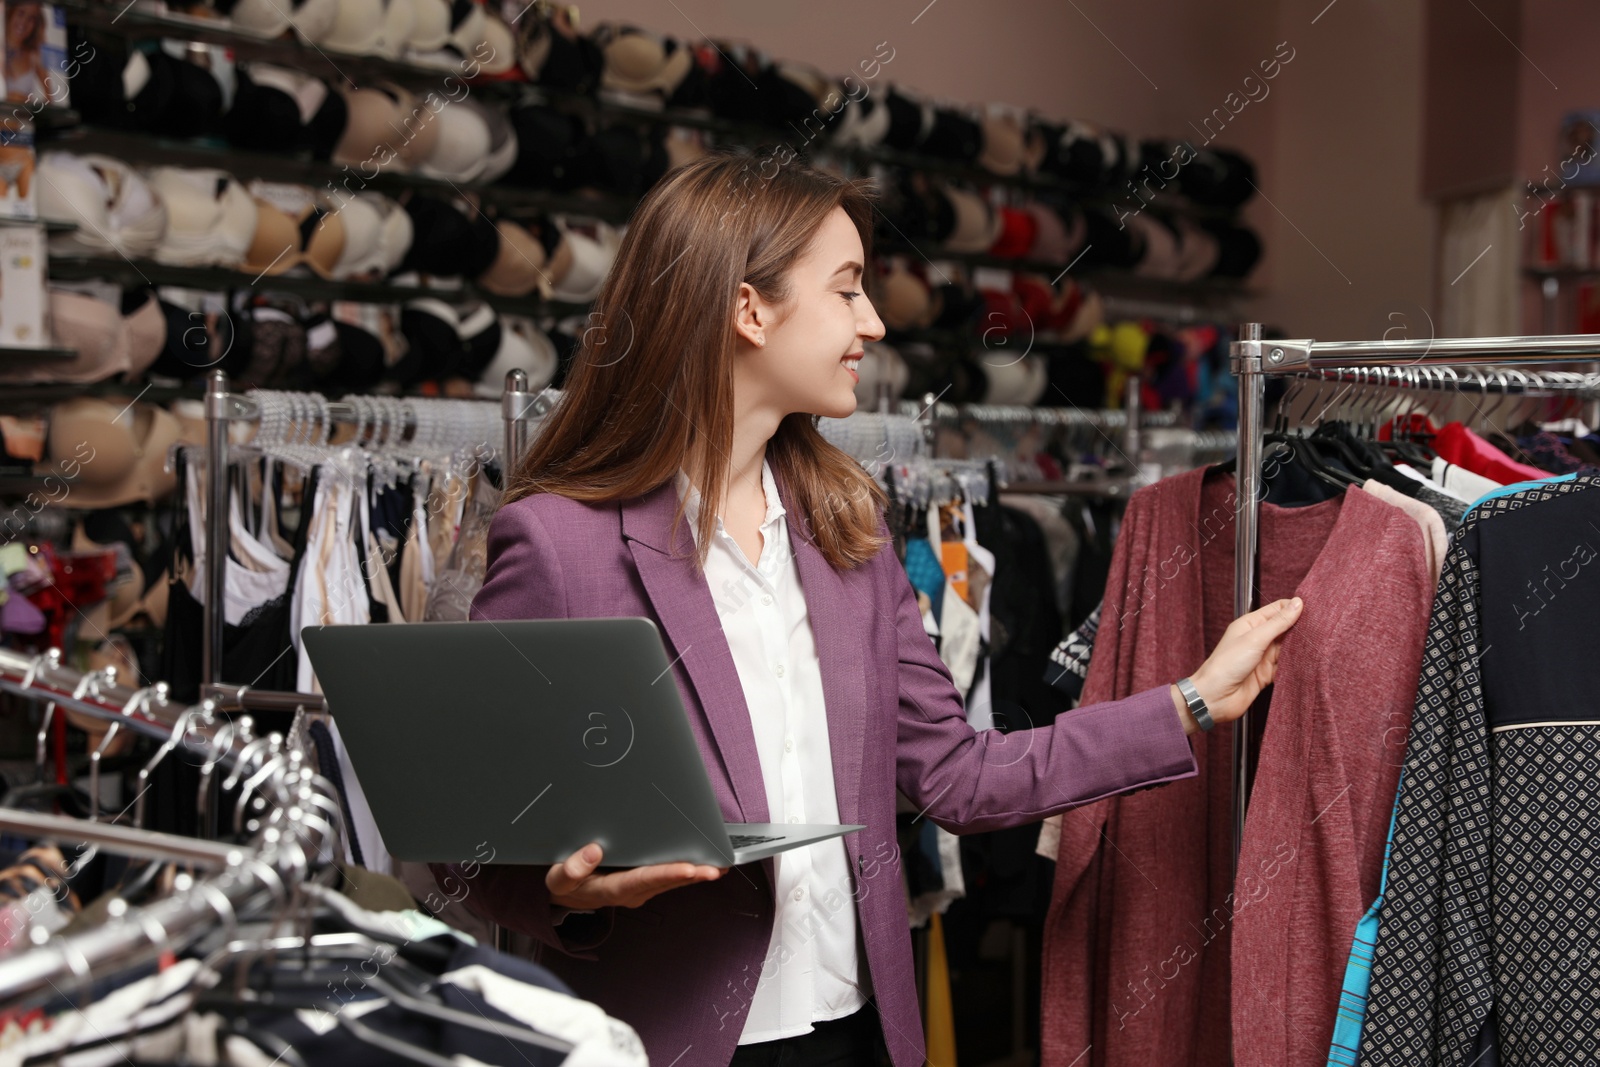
point(1197, 704)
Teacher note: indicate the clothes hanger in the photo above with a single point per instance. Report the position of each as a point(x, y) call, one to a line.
point(1300, 451)
point(329, 948)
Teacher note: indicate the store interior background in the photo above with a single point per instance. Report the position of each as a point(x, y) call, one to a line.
point(1388, 118)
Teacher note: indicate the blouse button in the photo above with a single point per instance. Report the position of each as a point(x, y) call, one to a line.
point(779, 670)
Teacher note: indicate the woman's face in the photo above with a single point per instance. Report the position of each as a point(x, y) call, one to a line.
point(813, 342)
point(24, 22)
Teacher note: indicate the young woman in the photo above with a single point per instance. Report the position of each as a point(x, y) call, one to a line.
point(733, 316)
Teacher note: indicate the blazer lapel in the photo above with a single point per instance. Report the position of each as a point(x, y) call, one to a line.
point(841, 651)
point(682, 601)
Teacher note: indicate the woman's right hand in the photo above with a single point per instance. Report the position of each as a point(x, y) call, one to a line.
point(574, 884)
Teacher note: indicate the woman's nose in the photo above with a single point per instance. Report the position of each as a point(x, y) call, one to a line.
point(870, 327)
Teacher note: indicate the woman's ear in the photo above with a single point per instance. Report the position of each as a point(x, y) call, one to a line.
point(751, 315)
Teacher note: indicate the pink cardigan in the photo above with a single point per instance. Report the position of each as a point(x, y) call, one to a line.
point(1137, 966)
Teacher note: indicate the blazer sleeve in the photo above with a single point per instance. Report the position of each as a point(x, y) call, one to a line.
point(524, 581)
point(968, 781)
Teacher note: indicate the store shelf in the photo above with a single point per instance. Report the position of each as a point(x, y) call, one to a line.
point(132, 23)
point(50, 225)
point(14, 484)
point(10, 354)
point(24, 397)
point(354, 70)
point(217, 279)
point(136, 147)
point(1108, 280)
point(145, 149)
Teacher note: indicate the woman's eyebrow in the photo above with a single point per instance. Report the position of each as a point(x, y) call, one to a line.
point(851, 266)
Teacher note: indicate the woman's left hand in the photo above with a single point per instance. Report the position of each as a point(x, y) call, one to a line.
point(1243, 663)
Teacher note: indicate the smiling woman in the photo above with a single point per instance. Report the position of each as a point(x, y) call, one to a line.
point(811, 687)
point(786, 269)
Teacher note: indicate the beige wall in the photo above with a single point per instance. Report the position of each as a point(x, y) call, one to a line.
point(1352, 248)
point(1559, 73)
point(1334, 139)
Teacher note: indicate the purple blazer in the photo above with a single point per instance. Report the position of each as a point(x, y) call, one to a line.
point(683, 968)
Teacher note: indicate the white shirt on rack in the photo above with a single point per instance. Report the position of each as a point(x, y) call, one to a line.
point(811, 972)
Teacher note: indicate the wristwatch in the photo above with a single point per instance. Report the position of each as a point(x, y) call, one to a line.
point(1197, 704)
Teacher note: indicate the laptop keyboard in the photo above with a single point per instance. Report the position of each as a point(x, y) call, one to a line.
point(747, 840)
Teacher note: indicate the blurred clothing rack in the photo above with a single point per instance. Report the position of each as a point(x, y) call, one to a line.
point(245, 878)
point(411, 418)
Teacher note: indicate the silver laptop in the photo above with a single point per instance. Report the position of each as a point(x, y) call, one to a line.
point(521, 742)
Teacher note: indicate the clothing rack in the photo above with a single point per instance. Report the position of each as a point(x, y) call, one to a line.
point(1401, 364)
point(222, 409)
point(247, 877)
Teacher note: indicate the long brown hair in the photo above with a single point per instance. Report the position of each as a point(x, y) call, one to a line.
point(655, 368)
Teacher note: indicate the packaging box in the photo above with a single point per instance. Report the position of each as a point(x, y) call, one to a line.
point(22, 291)
point(18, 198)
point(36, 54)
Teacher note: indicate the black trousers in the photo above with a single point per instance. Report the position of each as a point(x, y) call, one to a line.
point(853, 1041)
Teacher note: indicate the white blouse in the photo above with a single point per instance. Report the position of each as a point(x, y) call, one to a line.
point(811, 972)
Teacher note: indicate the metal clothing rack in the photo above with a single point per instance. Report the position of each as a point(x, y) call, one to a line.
point(1384, 363)
point(299, 820)
point(223, 408)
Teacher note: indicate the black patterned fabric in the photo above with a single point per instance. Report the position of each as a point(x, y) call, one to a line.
point(1069, 661)
point(1492, 915)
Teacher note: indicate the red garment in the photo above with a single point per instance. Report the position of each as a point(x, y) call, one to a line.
point(1137, 943)
point(1461, 446)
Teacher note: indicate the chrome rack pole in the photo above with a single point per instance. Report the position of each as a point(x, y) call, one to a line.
point(216, 532)
point(1247, 514)
point(514, 406)
point(515, 403)
point(1131, 442)
point(126, 841)
point(67, 963)
point(1302, 354)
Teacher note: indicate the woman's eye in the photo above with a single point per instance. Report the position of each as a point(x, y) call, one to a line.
point(850, 295)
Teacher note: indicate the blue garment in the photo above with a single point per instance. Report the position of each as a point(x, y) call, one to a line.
point(1516, 487)
point(925, 571)
point(1358, 972)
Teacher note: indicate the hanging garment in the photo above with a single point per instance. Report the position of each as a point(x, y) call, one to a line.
point(1487, 918)
point(1435, 541)
point(254, 574)
point(1548, 452)
point(1358, 971)
point(958, 639)
point(980, 581)
point(1461, 482)
point(257, 647)
point(1069, 661)
point(271, 504)
point(927, 576)
point(416, 561)
point(1025, 619)
point(1450, 504)
point(330, 588)
point(459, 580)
point(1059, 536)
point(1431, 481)
point(1459, 445)
point(1136, 961)
point(1312, 857)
